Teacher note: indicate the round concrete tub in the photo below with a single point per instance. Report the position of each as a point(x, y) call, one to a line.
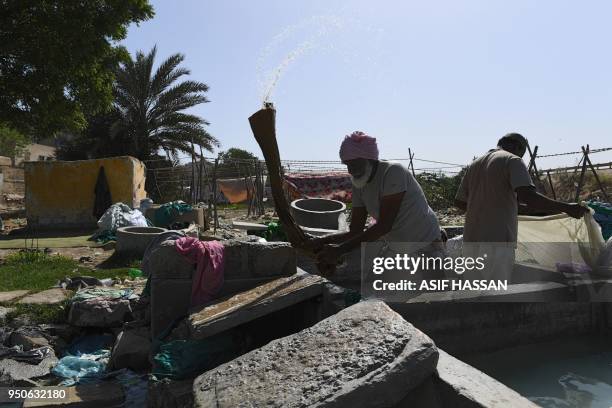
point(317, 212)
point(134, 240)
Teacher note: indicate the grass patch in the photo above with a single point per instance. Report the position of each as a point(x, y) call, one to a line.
point(236, 206)
point(39, 314)
point(35, 270)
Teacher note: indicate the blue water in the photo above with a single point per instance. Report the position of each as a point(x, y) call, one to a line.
point(569, 373)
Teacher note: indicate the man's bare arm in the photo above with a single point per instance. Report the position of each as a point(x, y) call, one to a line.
point(359, 216)
point(537, 202)
point(389, 208)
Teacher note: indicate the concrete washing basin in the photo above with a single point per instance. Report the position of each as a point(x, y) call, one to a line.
point(317, 212)
point(136, 239)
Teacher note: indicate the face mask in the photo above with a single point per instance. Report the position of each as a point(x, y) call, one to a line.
point(360, 182)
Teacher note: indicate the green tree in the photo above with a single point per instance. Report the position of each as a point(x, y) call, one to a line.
point(235, 162)
point(95, 141)
point(439, 189)
point(151, 107)
point(57, 59)
point(12, 142)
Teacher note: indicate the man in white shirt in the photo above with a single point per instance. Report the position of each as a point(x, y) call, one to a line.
point(390, 194)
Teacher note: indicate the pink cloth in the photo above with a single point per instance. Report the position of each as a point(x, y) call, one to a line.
point(210, 263)
point(358, 146)
point(332, 185)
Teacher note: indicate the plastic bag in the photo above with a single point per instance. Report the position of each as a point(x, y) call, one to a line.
point(85, 361)
point(120, 215)
point(82, 369)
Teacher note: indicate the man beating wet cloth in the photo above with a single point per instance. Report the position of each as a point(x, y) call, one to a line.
point(388, 193)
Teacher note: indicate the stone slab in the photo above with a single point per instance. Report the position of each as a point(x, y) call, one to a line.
point(249, 226)
point(251, 304)
point(46, 297)
point(364, 356)
point(466, 386)
point(12, 371)
point(100, 395)
point(12, 295)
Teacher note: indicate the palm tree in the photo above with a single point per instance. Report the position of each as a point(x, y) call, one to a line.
point(151, 107)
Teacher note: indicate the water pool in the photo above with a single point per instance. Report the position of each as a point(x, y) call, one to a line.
point(568, 373)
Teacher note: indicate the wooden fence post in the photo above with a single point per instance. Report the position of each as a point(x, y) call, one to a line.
point(582, 172)
point(411, 164)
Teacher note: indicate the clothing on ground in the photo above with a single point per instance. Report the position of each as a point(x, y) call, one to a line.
point(489, 189)
point(210, 263)
point(167, 213)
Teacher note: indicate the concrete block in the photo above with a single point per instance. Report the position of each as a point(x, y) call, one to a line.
point(480, 327)
point(166, 263)
point(258, 259)
point(247, 264)
point(364, 356)
point(170, 300)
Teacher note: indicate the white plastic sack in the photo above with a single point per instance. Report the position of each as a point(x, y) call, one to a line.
point(120, 215)
point(342, 224)
point(604, 262)
point(559, 239)
point(454, 246)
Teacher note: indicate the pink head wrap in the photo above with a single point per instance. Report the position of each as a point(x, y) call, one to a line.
point(358, 146)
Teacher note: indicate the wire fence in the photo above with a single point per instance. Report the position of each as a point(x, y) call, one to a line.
point(197, 180)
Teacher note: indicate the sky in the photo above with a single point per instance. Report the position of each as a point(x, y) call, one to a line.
point(443, 78)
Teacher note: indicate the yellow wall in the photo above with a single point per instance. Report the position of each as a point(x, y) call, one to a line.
point(61, 193)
